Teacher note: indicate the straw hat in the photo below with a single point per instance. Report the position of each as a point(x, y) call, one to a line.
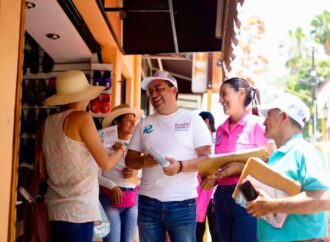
point(121, 110)
point(71, 87)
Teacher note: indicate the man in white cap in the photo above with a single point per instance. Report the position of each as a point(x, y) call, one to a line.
point(301, 161)
point(167, 194)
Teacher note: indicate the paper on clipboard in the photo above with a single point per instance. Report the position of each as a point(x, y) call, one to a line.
point(277, 220)
point(258, 169)
point(215, 162)
point(109, 135)
point(273, 183)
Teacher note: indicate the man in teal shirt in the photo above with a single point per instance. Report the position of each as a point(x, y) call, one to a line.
point(301, 161)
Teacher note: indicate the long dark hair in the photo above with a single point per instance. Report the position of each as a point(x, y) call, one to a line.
point(252, 94)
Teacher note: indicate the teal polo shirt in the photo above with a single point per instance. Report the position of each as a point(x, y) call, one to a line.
point(302, 162)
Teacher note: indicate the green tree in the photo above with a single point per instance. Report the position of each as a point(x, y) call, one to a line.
point(299, 62)
point(297, 49)
point(299, 52)
point(321, 30)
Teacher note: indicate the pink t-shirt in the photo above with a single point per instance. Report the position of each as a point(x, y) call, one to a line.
point(247, 133)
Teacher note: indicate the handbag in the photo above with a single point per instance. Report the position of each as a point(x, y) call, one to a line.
point(129, 196)
point(202, 202)
point(35, 221)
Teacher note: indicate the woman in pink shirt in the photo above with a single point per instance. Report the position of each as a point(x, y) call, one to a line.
point(241, 130)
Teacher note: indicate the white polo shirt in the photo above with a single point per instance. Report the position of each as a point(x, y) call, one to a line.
point(176, 135)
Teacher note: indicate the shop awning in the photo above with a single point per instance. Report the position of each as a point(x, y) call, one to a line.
point(165, 32)
point(175, 26)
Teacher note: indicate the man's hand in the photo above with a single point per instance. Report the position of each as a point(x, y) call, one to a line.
point(233, 168)
point(148, 161)
point(209, 181)
point(128, 173)
point(261, 206)
point(173, 168)
point(116, 195)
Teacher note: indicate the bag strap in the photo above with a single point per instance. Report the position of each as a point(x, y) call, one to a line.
point(40, 154)
point(39, 163)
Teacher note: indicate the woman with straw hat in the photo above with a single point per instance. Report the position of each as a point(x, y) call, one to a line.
point(73, 152)
point(119, 185)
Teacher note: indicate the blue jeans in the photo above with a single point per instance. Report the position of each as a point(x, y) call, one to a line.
point(156, 217)
point(235, 224)
point(71, 232)
point(123, 221)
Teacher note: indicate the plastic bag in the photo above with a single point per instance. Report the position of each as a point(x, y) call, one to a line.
point(102, 227)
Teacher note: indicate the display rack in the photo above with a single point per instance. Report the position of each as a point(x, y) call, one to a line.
point(101, 75)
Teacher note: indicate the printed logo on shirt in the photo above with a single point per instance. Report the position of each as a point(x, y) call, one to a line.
point(181, 126)
point(148, 129)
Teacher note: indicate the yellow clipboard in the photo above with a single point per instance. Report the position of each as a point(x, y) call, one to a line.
point(258, 169)
point(215, 162)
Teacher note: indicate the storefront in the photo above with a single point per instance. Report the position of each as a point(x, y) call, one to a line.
point(15, 20)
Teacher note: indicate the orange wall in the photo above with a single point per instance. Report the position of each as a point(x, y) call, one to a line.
point(10, 15)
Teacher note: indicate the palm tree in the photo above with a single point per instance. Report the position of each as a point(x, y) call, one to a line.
point(321, 30)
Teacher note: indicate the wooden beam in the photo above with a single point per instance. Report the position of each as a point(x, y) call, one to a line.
point(137, 80)
point(12, 19)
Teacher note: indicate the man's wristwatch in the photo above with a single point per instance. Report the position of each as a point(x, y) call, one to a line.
point(180, 167)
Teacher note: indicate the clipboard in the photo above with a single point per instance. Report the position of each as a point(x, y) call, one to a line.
point(215, 162)
point(258, 169)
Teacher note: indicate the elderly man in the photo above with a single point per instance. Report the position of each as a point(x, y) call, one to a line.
point(300, 161)
point(167, 194)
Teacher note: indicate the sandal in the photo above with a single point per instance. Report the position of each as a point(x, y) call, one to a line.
point(30, 122)
point(41, 92)
point(95, 105)
point(106, 80)
point(97, 78)
point(106, 107)
point(31, 93)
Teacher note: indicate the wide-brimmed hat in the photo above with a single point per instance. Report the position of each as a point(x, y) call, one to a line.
point(121, 110)
point(291, 105)
point(158, 75)
point(73, 86)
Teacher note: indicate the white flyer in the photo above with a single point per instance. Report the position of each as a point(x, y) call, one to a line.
point(109, 135)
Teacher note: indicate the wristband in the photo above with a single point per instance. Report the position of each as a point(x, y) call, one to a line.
point(180, 168)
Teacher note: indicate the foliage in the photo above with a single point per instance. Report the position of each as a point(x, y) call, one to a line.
point(299, 62)
point(299, 51)
point(321, 30)
point(252, 62)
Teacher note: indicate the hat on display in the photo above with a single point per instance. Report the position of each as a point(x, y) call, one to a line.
point(121, 110)
point(159, 75)
point(293, 106)
point(73, 86)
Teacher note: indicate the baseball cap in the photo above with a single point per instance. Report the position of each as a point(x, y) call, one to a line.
point(159, 75)
point(292, 105)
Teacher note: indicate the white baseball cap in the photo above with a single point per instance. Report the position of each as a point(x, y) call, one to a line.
point(290, 104)
point(159, 75)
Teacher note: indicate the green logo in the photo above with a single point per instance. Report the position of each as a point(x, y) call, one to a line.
point(148, 129)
